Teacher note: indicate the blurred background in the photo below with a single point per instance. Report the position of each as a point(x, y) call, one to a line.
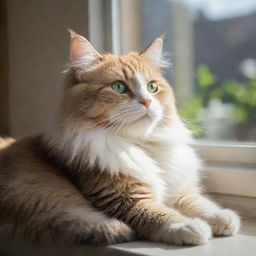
point(213, 51)
point(211, 44)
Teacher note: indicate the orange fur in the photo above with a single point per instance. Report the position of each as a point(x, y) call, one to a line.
point(53, 188)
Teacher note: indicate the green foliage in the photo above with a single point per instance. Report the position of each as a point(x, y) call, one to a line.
point(189, 109)
point(241, 95)
point(240, 114)
point(204, 77)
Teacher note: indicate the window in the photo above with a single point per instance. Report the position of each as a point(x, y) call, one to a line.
point(213, 48)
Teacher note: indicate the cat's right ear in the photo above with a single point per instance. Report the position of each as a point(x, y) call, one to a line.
point(83, 56)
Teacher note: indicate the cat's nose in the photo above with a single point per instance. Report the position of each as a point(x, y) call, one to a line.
point(145, 102)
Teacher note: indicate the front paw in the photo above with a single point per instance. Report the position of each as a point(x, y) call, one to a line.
point(189, 232)
point(224, 222)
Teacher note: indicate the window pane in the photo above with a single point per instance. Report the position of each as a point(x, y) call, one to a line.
point(213, 51)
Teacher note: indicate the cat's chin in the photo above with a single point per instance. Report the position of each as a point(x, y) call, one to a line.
point(147, 116)
point(144, 122)
point(144, 118)
point(139, 128)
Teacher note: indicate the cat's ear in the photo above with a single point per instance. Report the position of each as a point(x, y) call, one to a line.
point(154, 52)
point(83, 56)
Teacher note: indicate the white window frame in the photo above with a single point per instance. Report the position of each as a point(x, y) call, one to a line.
point(104, 26)
point(228, 153)
point(230, 168)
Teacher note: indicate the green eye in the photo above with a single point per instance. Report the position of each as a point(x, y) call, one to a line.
point(119, 87)
point(152, 87)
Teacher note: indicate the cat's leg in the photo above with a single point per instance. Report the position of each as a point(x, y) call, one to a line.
point(191, 203)
point(155, 222)
point(39, 204)
point(67, 228)
point(47, 209)
point(133, 202)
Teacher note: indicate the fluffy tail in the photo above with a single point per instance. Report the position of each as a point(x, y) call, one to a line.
point(4, 142)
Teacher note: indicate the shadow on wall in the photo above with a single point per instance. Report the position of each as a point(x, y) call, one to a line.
point(37, 53)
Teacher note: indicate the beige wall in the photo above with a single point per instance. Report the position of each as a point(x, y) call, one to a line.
point(131, 25)
point(183, 49)
point(38, 50)
point(3, 71)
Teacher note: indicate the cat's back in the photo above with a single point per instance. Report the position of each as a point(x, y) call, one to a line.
point(24, 169)
point(17, 158)
point(16, 155)
point(25, 161)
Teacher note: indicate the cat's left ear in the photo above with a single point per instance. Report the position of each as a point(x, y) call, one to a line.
point(83, 56)
point(154, 52)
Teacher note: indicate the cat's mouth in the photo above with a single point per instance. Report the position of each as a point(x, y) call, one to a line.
point(141, 117)
point(144, 118)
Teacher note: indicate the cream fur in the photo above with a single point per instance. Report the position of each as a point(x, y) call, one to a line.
point(128, 156)
point(114, 154)
point(160, 164)
point(157, 155)
point(191, 231)
point(155, 55)
point(137, 144)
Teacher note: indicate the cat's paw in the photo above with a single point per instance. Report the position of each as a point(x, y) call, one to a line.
point(109, 231)
point(119, 232)
point(224, 222)
point(189, 232)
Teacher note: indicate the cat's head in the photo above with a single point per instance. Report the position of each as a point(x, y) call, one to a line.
point(126, 94)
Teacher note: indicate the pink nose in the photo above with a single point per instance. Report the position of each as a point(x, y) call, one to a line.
point(145, 102)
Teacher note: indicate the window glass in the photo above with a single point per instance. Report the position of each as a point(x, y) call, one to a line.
point(213, 51)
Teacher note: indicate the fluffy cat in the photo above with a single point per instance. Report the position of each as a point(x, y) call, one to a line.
point(116, 163)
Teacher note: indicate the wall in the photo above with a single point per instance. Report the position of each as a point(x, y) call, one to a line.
point(38, 51)
point(3, 70)
point(131, 25)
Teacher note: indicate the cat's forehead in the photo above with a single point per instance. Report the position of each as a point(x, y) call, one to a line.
point(129, 67)
point(132, 69)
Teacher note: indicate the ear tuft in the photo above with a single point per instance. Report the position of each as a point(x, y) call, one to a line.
point(154, 52)
point(72, 33)
point(83, 56)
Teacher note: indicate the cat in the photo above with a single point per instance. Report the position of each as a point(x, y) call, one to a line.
point(116, 166)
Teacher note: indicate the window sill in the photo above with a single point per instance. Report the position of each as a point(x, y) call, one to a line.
point(230, 180)
point(241, 244)
point(228, 154)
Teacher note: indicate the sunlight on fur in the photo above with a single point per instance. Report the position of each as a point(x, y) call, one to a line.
point(115, 165)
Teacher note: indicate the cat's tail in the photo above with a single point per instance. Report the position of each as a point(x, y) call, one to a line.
point(5, 142)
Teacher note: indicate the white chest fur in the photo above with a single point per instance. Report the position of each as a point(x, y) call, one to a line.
point(164, 165)
point(179, 165)
point(169, 147)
